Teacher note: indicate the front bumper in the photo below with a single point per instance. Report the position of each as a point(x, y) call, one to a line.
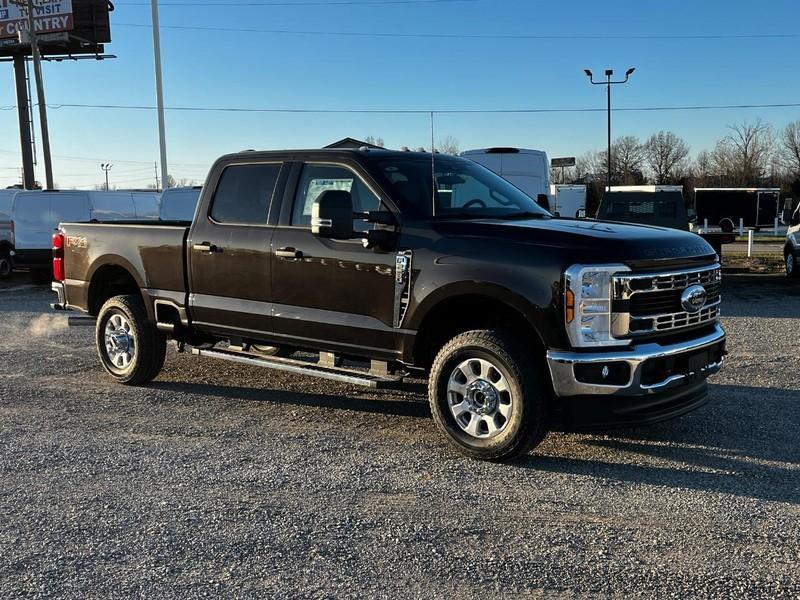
point(643, 370)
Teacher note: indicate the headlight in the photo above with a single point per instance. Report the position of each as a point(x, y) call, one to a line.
point(587, 305)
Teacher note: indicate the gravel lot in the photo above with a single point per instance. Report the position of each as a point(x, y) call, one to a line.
point(220, 479)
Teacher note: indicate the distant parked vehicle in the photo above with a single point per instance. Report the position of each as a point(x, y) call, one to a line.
point(529, 170)
point(660, 205)
point(6, 232)
point(791, 251)
point(756, 207)
point(36, 215)
point(568, 200)
point(179, 204)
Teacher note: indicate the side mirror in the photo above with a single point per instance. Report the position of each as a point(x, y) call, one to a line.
point(332, 215)
point(543, 201)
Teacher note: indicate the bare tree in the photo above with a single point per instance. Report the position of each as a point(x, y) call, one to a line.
point(374, 141)
point(790, 142)
point(627, 155)
point(449, 145)
point(591, 165)
point(667, 156)
point(744, 154)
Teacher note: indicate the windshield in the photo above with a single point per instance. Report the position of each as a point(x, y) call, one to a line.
point(464, 189)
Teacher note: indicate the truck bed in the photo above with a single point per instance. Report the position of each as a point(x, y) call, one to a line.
point(151, 251)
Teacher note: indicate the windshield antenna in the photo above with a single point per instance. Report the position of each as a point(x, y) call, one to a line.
point(433, 172)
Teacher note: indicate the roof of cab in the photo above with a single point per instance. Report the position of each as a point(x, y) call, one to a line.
point(322, 152)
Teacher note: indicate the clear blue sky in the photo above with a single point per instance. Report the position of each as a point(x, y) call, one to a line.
point(229, 69)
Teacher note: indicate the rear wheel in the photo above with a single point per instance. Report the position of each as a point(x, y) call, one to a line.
point(792, 268)
point(486, 395)
point(130, 347)
point(5, 266)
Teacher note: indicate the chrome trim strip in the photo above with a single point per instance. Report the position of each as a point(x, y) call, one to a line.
point(562, 365)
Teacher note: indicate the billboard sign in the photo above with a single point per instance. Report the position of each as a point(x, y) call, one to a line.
point(50, 16)
point(567, 161)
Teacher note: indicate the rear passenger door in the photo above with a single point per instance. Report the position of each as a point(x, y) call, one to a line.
point(229, 249)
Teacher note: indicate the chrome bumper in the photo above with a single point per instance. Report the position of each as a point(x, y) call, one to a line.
point(61, 302)
point(562, 367)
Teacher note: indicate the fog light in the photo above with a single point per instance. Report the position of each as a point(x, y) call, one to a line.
point(611, 373)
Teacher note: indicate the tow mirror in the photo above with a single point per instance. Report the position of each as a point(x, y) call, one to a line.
point(332, 215)
point(543, 201)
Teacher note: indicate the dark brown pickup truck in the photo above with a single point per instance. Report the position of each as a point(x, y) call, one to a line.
point(398, 263)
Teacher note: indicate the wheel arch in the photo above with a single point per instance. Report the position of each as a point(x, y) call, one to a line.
point(460, 308)
point(109, 280)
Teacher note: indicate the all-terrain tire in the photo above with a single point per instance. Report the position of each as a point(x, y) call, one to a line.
point(148, 345)
point(528, 391)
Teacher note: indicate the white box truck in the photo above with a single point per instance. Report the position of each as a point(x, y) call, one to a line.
point(529, 170)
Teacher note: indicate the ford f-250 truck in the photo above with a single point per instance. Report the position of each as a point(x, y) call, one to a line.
point(409, 262)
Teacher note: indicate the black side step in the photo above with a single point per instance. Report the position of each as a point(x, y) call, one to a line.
point(301, 367)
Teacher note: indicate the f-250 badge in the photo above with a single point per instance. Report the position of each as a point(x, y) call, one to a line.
point(77, 242)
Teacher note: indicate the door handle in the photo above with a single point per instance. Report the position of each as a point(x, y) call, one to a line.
point(288, 253)
point(206, 247)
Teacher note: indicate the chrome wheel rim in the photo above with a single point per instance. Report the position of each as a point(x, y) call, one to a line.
point(789, 263)
point(120, 342)
point(479, 397)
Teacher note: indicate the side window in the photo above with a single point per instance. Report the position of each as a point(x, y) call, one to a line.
point(317, 179)
point(244, 193)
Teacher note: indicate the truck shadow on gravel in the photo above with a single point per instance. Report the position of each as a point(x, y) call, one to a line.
point(751, 295)
point(744, 443)
point(402, 407)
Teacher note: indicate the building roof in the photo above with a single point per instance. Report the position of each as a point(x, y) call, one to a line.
point(349, 142)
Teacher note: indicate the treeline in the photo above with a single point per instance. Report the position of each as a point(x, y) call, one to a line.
point(750, 155)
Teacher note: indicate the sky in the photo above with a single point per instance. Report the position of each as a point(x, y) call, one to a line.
point(542, 68)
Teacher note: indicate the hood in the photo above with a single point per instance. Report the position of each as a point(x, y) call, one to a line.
point(593, 241)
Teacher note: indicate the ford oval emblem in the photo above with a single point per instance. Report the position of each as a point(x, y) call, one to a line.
point(693, 298)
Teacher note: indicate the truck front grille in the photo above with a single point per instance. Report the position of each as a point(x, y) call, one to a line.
point(645, 304)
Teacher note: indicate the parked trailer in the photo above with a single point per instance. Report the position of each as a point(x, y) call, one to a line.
point(568, 200)
point(755, 207)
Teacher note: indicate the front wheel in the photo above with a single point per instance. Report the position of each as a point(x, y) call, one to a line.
point(486, 395)
point(131, 349)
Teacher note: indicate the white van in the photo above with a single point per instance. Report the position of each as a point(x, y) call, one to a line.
point(568, 200)
point(178, 204)
point(36, 215)
point(529, 170)
point(6, 231)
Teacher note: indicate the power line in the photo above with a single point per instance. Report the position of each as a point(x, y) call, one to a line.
point(311, 3)
point(482, 36)
point(96, 159)
point(423, 111)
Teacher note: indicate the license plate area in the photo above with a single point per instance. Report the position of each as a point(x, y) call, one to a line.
point(691, 364)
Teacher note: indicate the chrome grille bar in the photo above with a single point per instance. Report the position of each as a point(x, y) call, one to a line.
point(626, 286)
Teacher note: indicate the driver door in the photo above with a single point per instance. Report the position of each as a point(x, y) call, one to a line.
point(334, 292)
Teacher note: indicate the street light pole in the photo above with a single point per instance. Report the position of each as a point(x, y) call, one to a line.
point(162, 138)
point(106, 167)
point(608, 83)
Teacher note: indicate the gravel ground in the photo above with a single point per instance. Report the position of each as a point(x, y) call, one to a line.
point(219, 479)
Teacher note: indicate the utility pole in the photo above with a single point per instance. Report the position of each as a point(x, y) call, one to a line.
point(155, 168)
point(106, 167)
point(23, 103)
point(608, 83)
point(162, 138)
point(37, 71)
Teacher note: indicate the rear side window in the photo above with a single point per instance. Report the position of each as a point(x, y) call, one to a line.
point(244, 193)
